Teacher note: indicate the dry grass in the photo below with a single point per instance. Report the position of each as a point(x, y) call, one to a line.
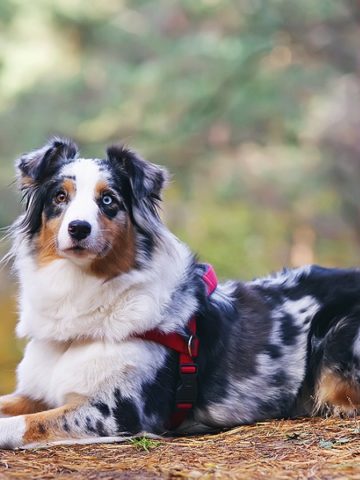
point(301, 449)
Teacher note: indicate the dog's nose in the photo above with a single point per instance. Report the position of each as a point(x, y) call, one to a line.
point(79, 229)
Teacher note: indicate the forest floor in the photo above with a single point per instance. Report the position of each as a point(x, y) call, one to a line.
point(299, 449)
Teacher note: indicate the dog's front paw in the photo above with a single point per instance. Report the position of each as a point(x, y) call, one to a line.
point(12, 432)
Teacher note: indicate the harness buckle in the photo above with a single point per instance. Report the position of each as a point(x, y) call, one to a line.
point(186, 392)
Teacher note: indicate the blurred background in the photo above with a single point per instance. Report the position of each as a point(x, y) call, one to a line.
point(253, 105)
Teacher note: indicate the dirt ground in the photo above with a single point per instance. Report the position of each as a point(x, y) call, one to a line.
point(302, 449)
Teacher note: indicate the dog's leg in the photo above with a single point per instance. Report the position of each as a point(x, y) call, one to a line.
point(32, 428)
point(336, 392)
point(338, 379)
point(78, 420)
point(15, 404)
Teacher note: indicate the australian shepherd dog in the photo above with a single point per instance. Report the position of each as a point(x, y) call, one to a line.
point(128, 333)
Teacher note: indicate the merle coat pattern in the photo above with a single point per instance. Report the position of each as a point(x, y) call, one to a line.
point(97, 267)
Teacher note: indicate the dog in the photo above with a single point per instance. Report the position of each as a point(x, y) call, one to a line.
point(127, 332)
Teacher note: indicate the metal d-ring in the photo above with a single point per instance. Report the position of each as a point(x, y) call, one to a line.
point(191, 339)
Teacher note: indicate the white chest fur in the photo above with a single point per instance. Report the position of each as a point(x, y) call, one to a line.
point(61, 302)
point(80, 327)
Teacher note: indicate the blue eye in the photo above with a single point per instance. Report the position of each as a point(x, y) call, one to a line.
point(107, 200)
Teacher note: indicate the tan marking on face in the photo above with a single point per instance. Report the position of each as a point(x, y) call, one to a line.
point(121, 256)
point(101, 187)
point(333, 390)
point(19, 405)
point(46, 242)
point(120, 235)
point(69, 186)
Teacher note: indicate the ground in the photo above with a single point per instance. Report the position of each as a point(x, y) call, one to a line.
point(300, 449)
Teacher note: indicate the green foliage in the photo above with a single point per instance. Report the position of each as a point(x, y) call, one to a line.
point(144, 443)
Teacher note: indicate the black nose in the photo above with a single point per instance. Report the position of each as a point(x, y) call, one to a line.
point(79, 229)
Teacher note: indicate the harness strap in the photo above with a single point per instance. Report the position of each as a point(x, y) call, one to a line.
point(188, 349)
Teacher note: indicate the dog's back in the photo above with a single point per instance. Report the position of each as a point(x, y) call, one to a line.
point(282, 346)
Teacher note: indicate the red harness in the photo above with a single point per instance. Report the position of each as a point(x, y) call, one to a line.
point(188, 349)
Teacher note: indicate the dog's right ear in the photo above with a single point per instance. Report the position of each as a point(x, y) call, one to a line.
point(34, 167)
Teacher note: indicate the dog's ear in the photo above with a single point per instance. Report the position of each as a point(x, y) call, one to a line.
point(34, 167)
point(146, 180)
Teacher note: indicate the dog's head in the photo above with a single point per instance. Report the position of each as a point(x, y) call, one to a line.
point(99, 213)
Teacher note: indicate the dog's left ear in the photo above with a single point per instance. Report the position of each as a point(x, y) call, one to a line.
point(146, 180)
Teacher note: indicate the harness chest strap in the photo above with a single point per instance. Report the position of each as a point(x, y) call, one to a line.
point(188, 349)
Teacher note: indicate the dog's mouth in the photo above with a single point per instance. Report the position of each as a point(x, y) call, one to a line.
point(77, 248)
point(84, 251)
point(77, 251)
